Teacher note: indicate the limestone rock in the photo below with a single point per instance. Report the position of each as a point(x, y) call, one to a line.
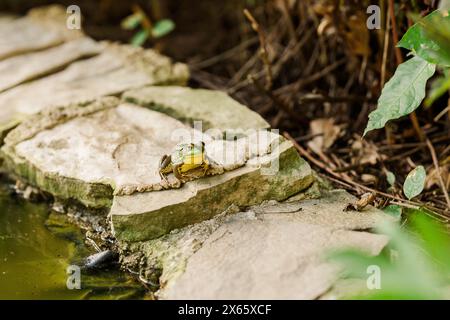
point(90, 152)
point(116, 69)
point(83, 152)
point(25, 67)
point(149, 215)
point(273, 255)
point(216, 109)
point(6, 18)
point(42, 28)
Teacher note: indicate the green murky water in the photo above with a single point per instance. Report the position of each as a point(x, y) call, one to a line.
point(37, 246)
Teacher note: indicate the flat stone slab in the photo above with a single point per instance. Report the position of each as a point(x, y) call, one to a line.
point(29, 66)
point(216, 109)
point(116, 69)
point(84, 152)
point(6, 18)
point(149, 215)
point(272, 251)
point(42, 28)
point(92, 151)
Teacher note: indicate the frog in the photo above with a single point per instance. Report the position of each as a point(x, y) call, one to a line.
point(188, 161)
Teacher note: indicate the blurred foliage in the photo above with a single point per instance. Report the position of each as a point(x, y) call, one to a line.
point(415, 265)
point(140, 21)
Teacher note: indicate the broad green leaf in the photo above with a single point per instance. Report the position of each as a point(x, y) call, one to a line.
point(403, 93)
point(411, 275)
point(429, 38)
point(415, 182)
point(132, 21)
point(162, 27)
point(356, 262)
point(390, 178)
point(438, 30)
point(393, 210)
point(140, 38)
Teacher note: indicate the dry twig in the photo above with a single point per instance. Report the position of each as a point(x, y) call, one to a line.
point(263, 53)
point(438, 171)
point(359, 187)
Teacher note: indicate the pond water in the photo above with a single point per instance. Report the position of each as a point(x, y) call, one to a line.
point(36, 248)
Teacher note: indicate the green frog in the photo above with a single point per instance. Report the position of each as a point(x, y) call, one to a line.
point(188, 161)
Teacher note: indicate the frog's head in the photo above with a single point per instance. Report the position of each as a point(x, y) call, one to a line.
point(189, 153)
point(195, 153)
point(198, 147)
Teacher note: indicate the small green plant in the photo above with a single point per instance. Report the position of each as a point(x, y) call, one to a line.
point(415, 264)
point(429, 43)
point(145, 28)
point(414, 182)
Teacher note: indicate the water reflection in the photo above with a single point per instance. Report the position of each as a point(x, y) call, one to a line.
point(37, 246)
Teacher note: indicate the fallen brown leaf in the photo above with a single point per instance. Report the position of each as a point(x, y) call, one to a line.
point(327, 132)
point(366, 199)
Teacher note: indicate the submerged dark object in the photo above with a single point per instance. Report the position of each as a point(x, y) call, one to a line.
point(100, 260)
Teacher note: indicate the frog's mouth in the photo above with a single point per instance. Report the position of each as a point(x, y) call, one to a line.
point(192, 162)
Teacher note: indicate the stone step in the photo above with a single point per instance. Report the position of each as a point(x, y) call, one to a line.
point(89, 153)
point(116, 69)
point(63, 132)
point(216, 109)
point(271, 251)
point(25, 67)
point(40, 44)
point(42, 28)
point(149, 215)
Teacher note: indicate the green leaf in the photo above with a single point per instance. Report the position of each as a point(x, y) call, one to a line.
point(390, 178)
point(435, 238)
point(403, 93)
point(355, 261)
point(429, 38)
point(438, 30)
point(415, 182)
point(140, 38)
point(162, 27)
point(393, 210)
point(132, 21)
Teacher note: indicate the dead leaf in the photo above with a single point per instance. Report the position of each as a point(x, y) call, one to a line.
point(357, 36)
point(327, 132)
point(325, 27)
point(366, 199)
point(369, 178)
point(323, 8)
point(365, 152)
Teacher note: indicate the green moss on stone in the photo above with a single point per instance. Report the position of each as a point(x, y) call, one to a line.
point(94, 195)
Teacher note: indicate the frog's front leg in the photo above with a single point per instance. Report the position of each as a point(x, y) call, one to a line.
point(176, 172)
point(164, 163)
